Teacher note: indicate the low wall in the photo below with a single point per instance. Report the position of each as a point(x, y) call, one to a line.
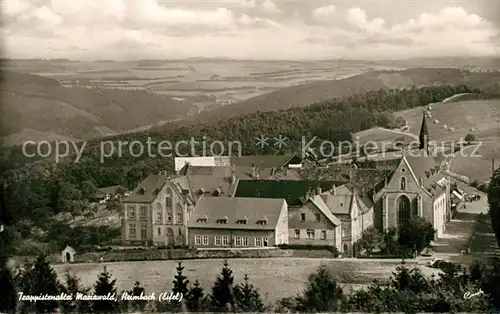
point(182, 254)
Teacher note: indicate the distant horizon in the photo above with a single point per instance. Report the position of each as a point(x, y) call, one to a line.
point(492, 57)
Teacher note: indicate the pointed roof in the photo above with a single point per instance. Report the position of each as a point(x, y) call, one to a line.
point(424, 132)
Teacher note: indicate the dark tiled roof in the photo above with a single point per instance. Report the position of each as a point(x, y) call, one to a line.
point(264, 161)
point(426, 168)
point(196, 184)
point(234, 209)
point(291, 190)
point(147, 190)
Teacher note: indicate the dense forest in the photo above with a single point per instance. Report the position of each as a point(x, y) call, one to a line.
point(39, 189)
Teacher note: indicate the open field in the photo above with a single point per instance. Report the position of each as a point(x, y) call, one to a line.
point(477, 166)
point(275, 277)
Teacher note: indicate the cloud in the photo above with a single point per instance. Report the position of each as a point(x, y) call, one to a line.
point(121, 29)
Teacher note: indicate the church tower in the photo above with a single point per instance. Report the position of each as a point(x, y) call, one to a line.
point(424, 135)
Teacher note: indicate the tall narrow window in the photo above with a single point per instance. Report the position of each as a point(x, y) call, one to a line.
point(403, 183)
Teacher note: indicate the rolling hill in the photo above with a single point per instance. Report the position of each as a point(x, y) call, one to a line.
point(309, 93)
point(39, 108)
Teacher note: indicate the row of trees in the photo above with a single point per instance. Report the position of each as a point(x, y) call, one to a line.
point(407, 290)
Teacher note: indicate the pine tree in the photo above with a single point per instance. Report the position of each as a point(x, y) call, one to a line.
point(137, 290)
point(40, 279)
point(222, 291)
point(73, 287)
point(322, 293)
point(105, 286)
point(180, 282)
point(195, 298)
point(247, 297)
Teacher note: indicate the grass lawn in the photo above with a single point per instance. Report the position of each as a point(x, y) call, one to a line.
point(275, 277)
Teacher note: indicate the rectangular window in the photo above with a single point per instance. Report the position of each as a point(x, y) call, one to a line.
point(144, 232)
point(159, 231)
point(323, 234)
point(344, 232)
point(131, 212)
point(318, 217)
point(143, 212)
point(303, 217)
point(237, 241)
point(158, 216)
point(245, 241)
point(131, 230)
point(258, 242)
point(225, 241)
point(197, 239)
point(218, 240)
point(265, 241)
point(297, 234)
point(205, 240)
point(310, 233)
point(179, 218)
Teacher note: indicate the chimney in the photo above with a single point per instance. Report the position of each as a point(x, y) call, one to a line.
point(318, 190)
point(308, 194)
point(233, 175)
point(421, 181)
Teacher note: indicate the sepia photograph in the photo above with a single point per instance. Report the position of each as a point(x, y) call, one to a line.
point(250, 156)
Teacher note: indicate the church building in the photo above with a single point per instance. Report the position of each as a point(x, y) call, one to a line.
point(416, 188)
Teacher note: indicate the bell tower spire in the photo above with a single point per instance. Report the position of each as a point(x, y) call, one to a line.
point(424, 135)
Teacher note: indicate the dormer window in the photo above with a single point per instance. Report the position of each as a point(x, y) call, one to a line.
point(262, 222)
point(242, 221)
point(202, 219)
point(427, 174)
point(222, 220)
point(142, 190)
point(157, 191)
point(201, 191)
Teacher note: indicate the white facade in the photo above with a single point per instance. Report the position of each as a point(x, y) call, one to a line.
point(439, 218)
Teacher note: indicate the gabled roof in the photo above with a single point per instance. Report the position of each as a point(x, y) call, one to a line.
point(290, 190)
point(147, 190)
point(427, 169)
point(345, 195)
point(317, 200)
point(234, 209)
point(69, 249)
point(196, 184)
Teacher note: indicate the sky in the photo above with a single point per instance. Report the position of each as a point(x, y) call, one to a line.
point(248, 29)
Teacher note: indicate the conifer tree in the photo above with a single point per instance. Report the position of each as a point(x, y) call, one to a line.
point(222, 298)
point(73, 287)
point(180, 282)
point(247, 297)
point(105, 286)
point(137, 290)
point(322, 293)
point(195, 298)
point(40, 279)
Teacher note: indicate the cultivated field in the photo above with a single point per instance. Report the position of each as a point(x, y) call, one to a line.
point(477, 165)
point(275, 277)
point(478, 117)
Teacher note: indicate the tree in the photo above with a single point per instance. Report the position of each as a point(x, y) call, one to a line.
point(195, 298)
point(40, 279)
point(73, 287)
point(247, 297)
point(416, 234)
point(137, 290)
point(322, 293)
point(105, 286)
point(180, 286)
point(494, 203)
point(369, 240)
point(222, 291)
point(469, 138)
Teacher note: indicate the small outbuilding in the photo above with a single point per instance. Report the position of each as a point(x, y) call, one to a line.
point(68, 255)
